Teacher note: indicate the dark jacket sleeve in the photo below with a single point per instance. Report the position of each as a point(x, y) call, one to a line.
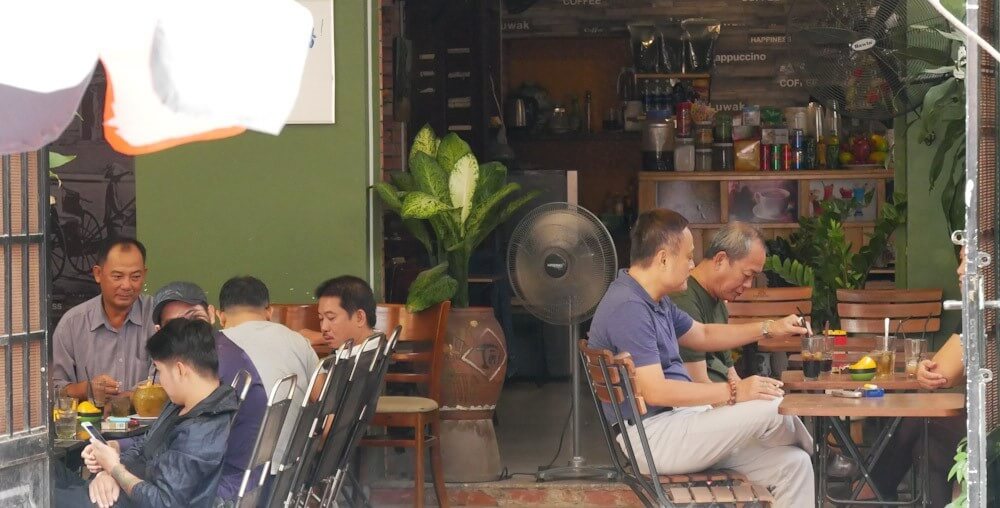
point(189, 469)
point(131, 449)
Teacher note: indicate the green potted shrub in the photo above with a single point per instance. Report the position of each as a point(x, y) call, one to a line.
point(819, 255)
point(451, 203)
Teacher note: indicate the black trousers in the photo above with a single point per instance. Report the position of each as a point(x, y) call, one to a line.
point(69, 490)
point(905, 449)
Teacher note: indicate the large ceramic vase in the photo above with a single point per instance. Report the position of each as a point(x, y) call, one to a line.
point(475, 364)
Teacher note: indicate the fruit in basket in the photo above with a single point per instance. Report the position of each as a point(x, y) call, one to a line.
point(878, 143)
point(149, 399)
point(861, 149)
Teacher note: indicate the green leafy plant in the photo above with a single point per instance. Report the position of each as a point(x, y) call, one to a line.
point(818, 255)
point(450, 203)
point(942, 120)
point(958, 473)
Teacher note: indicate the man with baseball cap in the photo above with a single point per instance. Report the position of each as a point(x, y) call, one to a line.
point(187, 300)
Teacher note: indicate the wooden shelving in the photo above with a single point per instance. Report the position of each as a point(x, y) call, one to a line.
point(674, 76)
point(705, 197)
point(819, 174)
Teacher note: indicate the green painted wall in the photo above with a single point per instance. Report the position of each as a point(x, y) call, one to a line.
point(929, 259)
point(291, 209)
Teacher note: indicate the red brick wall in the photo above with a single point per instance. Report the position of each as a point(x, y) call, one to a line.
point(391, 142)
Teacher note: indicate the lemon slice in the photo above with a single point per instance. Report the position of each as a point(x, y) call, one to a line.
point(865, 362)
point(89, 407)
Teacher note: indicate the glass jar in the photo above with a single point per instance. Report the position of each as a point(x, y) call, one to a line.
point(703, 136)
point(723, 128)
point(703, 159)
point(684, 154)
point(722, 156)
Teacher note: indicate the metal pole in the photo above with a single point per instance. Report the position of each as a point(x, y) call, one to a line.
point(574, 359)
point(972, 309)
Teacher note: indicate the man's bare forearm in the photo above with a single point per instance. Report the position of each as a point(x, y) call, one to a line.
point(720, 337)
point(126, 480)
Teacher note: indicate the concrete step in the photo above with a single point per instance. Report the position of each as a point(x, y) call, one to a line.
point(519, 492)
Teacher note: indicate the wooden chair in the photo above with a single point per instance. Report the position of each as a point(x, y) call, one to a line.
point(298, 317)
point(421, 349)
point(909, 310)
point(759, 304)
point(612, 381)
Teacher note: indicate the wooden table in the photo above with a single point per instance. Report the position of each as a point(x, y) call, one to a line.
point(793, 344)
point(829, 410)
point(795, 381)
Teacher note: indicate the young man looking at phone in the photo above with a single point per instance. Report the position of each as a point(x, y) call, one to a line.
point(179, 461)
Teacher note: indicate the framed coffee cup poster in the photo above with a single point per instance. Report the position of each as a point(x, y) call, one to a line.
point(763, 201)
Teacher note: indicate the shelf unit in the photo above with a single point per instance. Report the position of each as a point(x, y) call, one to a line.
point(674, 76)
point(693, 194)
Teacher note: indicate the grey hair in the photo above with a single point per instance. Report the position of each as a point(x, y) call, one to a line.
point(735, 239)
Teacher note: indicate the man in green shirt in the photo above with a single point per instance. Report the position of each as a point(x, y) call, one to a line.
point(732, 261)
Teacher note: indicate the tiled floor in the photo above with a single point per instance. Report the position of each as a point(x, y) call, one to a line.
point(531, 420)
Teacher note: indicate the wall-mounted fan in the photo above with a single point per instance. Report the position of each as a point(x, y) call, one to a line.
point(875, 59)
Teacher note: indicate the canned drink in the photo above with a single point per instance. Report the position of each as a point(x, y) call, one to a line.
point(798, 139)
point(799, 159)
point(786, 151)
point(777, 158)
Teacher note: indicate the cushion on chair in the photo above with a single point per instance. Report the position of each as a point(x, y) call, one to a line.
point(396, 404)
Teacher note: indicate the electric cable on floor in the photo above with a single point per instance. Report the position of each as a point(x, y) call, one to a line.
point(505, 475)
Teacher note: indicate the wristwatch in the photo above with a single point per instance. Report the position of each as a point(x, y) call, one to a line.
point(765, 329)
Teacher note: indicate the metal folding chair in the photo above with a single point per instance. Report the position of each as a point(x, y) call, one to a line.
point(241, 383)
point(612, 381)
point(267, 440)
point(286, 479)
point(351, 421)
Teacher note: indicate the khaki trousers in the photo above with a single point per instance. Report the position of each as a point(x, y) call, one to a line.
point(750, 437)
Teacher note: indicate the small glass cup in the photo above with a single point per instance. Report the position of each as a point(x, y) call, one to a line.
point(813, 356)
point(121, 405)
point(914, 350)
point(65, 423)
point(885, 362)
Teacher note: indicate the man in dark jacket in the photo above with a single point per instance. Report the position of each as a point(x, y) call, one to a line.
point(187, 300)
point(179, 461)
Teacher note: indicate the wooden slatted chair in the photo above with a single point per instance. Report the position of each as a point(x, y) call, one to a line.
point(759, 304)
point(612, 381)
point(421, 350)
point(909, 310)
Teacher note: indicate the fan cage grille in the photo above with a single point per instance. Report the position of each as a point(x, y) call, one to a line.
point(600, 242)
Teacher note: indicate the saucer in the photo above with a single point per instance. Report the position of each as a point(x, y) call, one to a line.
point(759, 213)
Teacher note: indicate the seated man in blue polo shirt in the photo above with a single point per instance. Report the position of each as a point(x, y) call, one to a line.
point(696, 426)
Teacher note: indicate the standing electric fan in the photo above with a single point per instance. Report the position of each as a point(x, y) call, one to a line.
point(560, 262)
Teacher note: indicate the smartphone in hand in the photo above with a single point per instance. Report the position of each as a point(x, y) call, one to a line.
point(89, 427)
